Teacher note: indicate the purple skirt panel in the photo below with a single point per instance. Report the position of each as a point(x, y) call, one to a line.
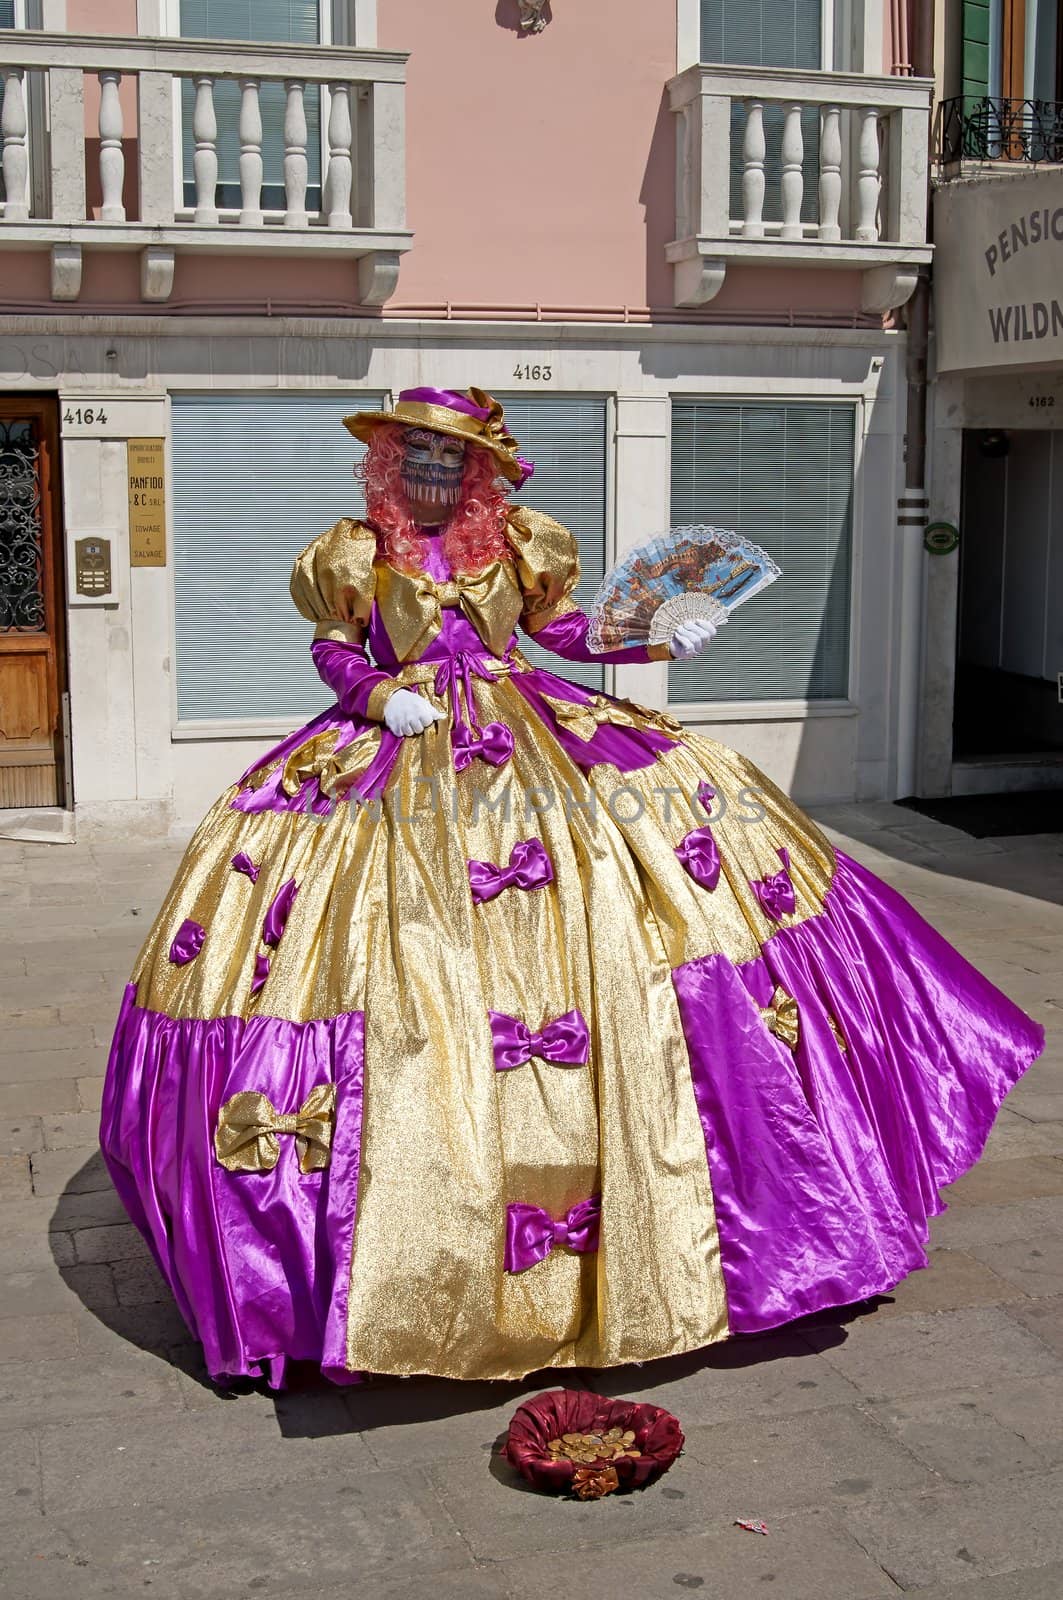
point(826, 1163)
point(258, 1262)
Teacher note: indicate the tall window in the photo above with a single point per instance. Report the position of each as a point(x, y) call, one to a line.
point(767, 33)
point(256, 477)
point(285, 21)
point(783, 476)
point(565, 436)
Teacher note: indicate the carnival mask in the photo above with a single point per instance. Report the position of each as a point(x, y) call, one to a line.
point(432, 470)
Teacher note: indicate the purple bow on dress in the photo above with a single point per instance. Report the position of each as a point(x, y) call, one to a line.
point(776, 894)
point(277, 916)
point(188, 942)
point(531, 1233)
point(529, 868)
point(494, 743)
point(699, 855)
point(565, 1041)
point(243, 863)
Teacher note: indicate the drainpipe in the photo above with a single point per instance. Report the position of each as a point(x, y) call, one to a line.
point(912, 510)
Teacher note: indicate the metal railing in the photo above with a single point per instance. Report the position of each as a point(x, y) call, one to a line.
point(987, 128)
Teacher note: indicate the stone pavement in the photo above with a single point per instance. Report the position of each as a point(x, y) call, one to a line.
point(913, 1447)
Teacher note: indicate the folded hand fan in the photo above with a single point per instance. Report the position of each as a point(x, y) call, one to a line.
point(689, 572)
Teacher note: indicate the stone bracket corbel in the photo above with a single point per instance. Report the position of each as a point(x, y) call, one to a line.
point(156, 272)
point(885, 288)
point(699, 273)
point(378, 275)
point(66, 271)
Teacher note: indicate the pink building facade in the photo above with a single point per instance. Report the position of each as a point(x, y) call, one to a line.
point(681, 242)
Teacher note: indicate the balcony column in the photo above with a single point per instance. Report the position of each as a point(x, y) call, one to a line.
point(792, 185)
point(205, 158)
point(295, 164)
point(112, 157)
point(16, 150)
point(868, 182)
point(830, 175)
point(337, 199)
point(250, 154)
point(753, 150)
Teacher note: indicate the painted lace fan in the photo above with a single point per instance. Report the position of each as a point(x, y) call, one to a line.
point(689, 572)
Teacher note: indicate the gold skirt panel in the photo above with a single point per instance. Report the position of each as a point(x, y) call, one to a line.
point(384, 923)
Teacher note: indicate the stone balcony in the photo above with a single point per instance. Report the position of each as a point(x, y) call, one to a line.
point(61, 146)
point(800, 169)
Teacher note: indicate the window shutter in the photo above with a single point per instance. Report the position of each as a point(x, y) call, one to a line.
point(256, 477)
point(289, 22)
point(7, 13)
point(565, 436)
point(783, 476)
point(976, 48)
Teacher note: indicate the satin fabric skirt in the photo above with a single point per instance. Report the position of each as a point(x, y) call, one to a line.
point(784, 1064)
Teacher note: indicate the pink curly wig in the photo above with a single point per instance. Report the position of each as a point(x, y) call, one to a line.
point(473, 536)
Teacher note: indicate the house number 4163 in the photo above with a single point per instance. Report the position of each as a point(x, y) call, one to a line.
point(533, 374)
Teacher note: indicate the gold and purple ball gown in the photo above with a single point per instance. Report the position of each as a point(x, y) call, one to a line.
point(553, 1036)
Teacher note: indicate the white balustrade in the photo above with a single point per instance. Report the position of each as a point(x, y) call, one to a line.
point(868, 183)
point(13, 126)
point(792, 182)
point(337, 206)
point(753, 152)
point(250, 154)
point(830, 175)
point(295, 163)
point(205, 153)
point(112, 156)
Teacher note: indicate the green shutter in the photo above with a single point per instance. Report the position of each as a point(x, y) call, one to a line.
point(255, 478)
point(565, 436)
point(7, 13)
point(783, 476)
point(975, 48)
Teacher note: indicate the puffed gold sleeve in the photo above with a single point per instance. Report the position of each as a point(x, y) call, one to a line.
point(546, 556)
point(333, 581)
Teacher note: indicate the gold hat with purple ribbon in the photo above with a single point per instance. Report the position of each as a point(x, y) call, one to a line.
point(473, 416)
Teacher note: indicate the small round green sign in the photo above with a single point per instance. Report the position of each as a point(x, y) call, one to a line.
point(940, 538)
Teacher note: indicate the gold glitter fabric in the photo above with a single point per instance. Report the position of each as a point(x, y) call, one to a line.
point(384, 923)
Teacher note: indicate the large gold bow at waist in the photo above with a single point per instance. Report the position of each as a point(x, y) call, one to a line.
point(335, 770)
point(245, 1139)
point(411, 603)
point(584, 719)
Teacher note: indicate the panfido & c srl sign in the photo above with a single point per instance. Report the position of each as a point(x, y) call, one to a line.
point(998, 270)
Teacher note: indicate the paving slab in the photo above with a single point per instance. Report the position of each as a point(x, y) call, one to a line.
point(889, 1358)
point(1023, 1583)
point(955, 1534)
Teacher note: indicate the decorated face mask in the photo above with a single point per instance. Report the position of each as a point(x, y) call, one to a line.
point(432, 470)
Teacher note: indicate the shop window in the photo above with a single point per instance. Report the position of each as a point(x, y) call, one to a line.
point(256, 477)
point(283, 21)
point(783, 476)
point(565, 436)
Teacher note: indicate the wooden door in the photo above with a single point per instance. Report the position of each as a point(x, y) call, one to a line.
point(32, 657)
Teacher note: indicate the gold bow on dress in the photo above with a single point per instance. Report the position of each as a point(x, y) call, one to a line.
point(411, 605)
point(245, 1139)
point(584, 719)
point(335, 770)
point(782, 1017)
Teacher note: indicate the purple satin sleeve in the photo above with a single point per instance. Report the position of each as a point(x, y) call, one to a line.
point(566, 636)
point(347, 671)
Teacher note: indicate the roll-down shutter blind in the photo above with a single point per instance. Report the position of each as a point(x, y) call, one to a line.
point(285, 21)
point(565, 436)
point(783, 476)
point(256, 477)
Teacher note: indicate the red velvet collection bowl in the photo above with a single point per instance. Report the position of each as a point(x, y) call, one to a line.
point(658, 1439)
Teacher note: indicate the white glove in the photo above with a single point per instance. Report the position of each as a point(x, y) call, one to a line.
point(690, 638)
point(406, 713)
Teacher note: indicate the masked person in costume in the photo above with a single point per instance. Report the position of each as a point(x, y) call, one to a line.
point(494, 1024)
